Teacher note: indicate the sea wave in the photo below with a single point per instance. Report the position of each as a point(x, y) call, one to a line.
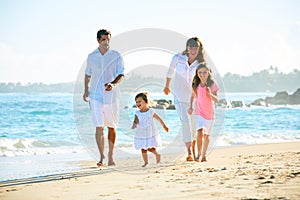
point(231, 139)
point(30, 147)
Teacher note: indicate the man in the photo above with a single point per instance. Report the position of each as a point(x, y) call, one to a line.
point(104, 70)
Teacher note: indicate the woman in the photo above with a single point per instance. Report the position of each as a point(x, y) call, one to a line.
point(182, 70)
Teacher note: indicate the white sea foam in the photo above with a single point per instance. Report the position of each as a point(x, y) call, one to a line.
point(231, 139)
point(31, 147)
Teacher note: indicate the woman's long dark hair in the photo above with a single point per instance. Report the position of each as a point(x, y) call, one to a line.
point(196, 81)
point(195, 42)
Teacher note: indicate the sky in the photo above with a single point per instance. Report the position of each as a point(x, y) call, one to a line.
point(48, 41)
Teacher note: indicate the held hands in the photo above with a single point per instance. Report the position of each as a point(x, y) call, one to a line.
point(190, 110)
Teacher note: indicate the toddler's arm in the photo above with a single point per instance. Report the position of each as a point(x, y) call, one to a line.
point(135, 122)
point(161, 122)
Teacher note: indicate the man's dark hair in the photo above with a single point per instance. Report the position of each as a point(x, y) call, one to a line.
point(103, 32)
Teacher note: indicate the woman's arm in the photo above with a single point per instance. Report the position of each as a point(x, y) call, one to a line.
point(167, 86)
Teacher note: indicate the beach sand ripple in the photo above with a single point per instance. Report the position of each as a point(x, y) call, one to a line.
point(268, 171)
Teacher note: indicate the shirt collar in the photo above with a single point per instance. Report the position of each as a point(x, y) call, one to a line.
point(98, 52)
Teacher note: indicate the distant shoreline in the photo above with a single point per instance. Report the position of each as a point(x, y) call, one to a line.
point(267, 80)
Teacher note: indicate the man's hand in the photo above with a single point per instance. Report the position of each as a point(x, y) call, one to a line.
point(109, 86)
point(85, 96)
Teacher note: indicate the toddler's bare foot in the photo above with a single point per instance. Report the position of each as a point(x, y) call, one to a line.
point(111, 163)
point(144, 165)
point(157, 158)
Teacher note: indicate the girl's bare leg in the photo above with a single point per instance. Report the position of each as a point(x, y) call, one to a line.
point(205, 146)
point(145, 157)
point(157, 155)
point(199, 143)
point(193, 149)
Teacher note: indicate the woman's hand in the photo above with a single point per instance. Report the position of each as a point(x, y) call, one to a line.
point(167, 90)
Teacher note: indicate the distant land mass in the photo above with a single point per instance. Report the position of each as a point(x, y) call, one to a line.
point(268, 80)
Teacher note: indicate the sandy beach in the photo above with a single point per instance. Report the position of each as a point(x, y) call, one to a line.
point(266, 171)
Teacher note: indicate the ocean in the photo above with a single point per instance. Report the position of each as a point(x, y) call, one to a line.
point(49, 133)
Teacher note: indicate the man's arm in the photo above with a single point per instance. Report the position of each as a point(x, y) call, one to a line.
point(87, 79)
point(109, 86)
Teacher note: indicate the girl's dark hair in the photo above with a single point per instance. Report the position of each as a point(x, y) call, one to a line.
point(195, 42)
point(196, 81)
point(143, 95)
point(103, 32)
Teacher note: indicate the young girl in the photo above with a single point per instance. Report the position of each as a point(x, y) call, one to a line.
point(205, 92)
point(147, 137)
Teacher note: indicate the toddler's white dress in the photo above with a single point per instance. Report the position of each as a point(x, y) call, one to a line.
point(147, 135)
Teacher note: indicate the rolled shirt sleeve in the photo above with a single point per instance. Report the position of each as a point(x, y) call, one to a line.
point(172, 67)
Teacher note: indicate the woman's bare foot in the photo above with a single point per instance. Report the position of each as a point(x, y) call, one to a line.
point(189, 158)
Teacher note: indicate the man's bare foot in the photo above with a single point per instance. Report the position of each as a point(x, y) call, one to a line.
point(111, 163)
point(100, 163)
point(144, 165)
point(157, 158)
point(204, 159)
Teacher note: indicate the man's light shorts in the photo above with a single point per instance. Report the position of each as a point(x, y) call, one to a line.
point(104, 114)
point(204, 124)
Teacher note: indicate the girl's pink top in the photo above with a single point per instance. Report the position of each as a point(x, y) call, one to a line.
point(204, 104)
